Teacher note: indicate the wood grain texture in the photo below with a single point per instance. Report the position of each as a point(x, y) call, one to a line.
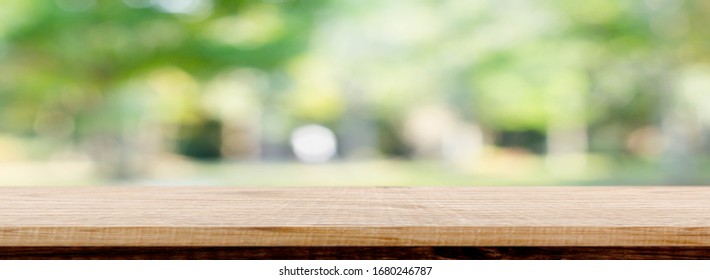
point(430, 217)
point(354, 253)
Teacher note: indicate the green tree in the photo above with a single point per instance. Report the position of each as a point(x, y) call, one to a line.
point(85, 71)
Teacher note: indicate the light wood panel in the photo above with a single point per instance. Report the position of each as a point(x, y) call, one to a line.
point(475, 216)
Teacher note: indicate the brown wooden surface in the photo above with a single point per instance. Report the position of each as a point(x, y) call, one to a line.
point(355, 253)
point(317, 217)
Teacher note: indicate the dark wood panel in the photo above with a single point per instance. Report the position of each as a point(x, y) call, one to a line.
point(355, 253)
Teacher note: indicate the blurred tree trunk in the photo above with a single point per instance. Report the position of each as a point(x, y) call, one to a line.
point(567, 143)
point(358, 128)
point(676, 121)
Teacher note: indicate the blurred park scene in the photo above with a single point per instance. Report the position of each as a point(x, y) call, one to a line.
point(354, 93)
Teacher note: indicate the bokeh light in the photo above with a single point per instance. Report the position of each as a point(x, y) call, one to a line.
point(314, 143)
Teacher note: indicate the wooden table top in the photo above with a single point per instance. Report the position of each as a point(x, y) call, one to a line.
point(382, 216)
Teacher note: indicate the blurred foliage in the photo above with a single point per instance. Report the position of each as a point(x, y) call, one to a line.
point(206, 77)
point(58, 56)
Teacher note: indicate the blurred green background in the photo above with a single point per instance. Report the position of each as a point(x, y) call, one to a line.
point(353, 93)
